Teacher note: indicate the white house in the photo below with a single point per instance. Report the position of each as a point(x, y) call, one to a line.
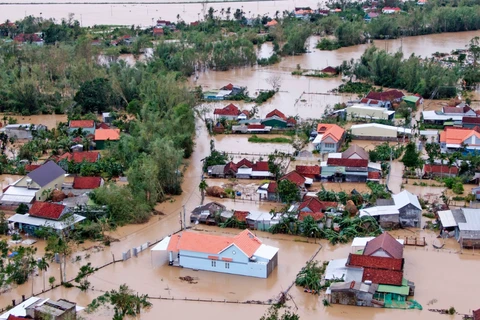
point(243, 254)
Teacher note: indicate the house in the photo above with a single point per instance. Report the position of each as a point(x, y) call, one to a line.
point(470, 122)
point(359, 111)
point(42, 308)
point(463, 224)
point(390, 10)
point(32, 38)
point(45, 214)
point(380, 270)
point(206, 213)
point(329, 138)
point(158, 32)
point(104, 136)
point(384, 246)
point(370, 16)
point(36, 185)
point(412, 101)
point(23, 131)
point(262, 221)
point(453, 139)
point(87, 182)
point(219, 128)
point(230, 112)
point(107, 118)
point(352, 293)
point(329, 70)
point(439, 170)
point(313, 205)
point(449, 115)
point(388, 217)
point(275, 119)
point(268, 191)
point(85, 156)
point(355, 152)
point(87, 126)
point(352, 166)
point(372, 103)
point(377, 131)
point(402, 210)
point(297, 179)
point(271, 23)
point(243, 254)
point(389, 95)
point(302, 12)
point(260, 170)
point(312, 172)
point(244, 169)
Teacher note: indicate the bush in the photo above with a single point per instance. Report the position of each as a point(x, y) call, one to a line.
point(355, 87)
point(458, 188)
point(274, 58)
point(264, 96)
point(327, 44)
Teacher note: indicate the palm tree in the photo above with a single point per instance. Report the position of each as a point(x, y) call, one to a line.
point(202, 186)
point(43, 265)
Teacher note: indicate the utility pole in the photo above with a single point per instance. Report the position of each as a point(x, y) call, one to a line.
point(181, 223)
point(184, 218)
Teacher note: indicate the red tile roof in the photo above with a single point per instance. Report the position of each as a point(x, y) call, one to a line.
point(244, 162)
point(292, 120)
point(315, 215)
point(308, 171)
point(86, 182)
point(329, 70)
point(316, 205)
point(476, 314)
point(230, 166)
point(212, 244)
point(87, 156)
point(472, 120)
point(382, 276)
point(103, 125)
point(359, 163)
point(294, 177)
point(277, 113)
point(107, 134)
point(272, 187)
point(230, 110)
point(12, 317)
point(453, 110)
point(386, 95)
point(31, 167)
point(158, 31)
point(241, 215)
point(24, 37)
point(46, 210)
point(256, 126)
point(260, 166)
point(373, 175)
point(386, 243)
point(82, 124)
point(438, 168)
point(228, 87)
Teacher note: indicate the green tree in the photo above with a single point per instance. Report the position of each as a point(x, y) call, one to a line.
point(94, 95)
point(273, 313)
point(309, 227)
point(411, 158)
point(43, 265)
point(125, 302)
point(288, 191)
point(203, 187)
point(82, 276)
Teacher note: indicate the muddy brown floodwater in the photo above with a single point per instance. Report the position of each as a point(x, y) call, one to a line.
point(447, 276)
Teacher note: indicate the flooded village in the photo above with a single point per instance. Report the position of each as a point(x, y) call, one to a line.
point(329, 204)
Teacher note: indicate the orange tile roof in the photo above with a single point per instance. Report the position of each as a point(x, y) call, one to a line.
point(107, 134)
point(330, 130)
point(457, 135)
point(82, 124)
point(212, 244)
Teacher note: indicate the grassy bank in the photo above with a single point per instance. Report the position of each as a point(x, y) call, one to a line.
point(256, 139)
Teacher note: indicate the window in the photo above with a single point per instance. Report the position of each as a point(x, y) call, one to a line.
point(329, 145)
point(214, 263)
point(227, 265)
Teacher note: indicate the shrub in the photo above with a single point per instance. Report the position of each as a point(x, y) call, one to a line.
point(327, 44)
point(458, 188)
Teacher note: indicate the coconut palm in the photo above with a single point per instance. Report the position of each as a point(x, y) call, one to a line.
point(43, 265)
point(203, 187)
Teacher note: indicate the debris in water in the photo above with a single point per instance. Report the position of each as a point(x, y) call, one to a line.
point(432, 301)
point(188, 279)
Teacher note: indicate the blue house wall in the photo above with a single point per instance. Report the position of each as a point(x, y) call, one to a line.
point(240, 264)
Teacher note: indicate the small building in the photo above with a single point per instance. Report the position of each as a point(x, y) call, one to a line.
point(105, 136)
point(313, 205)
point(268, 191)
point(384, 246)
point(329, 70)
point(370, 113)
point(312, 172)
point(470, 122)
point(85, 156)
point(352, 293)
point(296, 178)
point(41, 308)
point(377, 131)
point(410, 210)
point(476, 314)
point(389, 95)
point(107, 118)
point(370, 16)
point(329, 138)
point(351, 166)
point(87, 126)
point(275, 122)
point(87, 183)
point(261, 220)
point(387, 216)
point(22, 131)
point(230, 112)
point(464, 224)
point(45, 214)
point(243, 254)
point(439, 170)
point(391, 10)
point(206, 213)
point(412, 101)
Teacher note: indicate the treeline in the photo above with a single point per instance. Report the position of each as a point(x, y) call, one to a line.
point(413, 74)
point(350, 28)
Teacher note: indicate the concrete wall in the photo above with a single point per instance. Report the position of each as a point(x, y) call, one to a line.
point(389, 221)
point(57, 182)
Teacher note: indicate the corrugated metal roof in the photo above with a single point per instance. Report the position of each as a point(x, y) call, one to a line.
point(379, 211)
point(403, 290)
point(404, 198)
point(473, 220)
point(266, 252)
point(447, 219)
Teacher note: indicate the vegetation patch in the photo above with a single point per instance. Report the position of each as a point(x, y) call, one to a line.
point(256, 139)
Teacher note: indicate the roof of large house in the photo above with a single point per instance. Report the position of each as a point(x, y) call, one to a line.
point(385, 96)
point(107, 134)
point(244, 162)
point(46, 210)
point(472, 120)
point(379, 270)
point(295, 177)
point(355, 149)
point(230, 166)
point(209, 206)
point(46, 173)
point(308, 170)
point(438, 168)
point(86, 182)
point(277, 113)
point(360, 163)
point(316, 205)
point(87, 156)
point(463, 109)
point(330, 130)
point(241, 215)
point(386, 243)
point(457, 135)
point(404, 198)
point(213, 244)
point(230, 110)
point(260, 166)
point(81, 124)
point(315, 215)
